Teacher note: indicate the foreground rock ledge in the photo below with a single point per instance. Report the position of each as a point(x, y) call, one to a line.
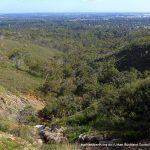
point(53, 134)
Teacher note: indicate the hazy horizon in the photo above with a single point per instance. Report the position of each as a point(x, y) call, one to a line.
point(130, 13)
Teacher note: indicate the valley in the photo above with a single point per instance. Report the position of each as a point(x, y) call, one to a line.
point(87, 73)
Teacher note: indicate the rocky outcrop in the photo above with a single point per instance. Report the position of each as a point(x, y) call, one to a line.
point(84, 139)
point(10, 104)
point(53, 134)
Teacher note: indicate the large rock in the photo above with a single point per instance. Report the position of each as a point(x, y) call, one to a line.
point(53, 134)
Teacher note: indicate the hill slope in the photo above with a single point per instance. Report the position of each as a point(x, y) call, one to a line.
point(136, 55)
point(21, 63)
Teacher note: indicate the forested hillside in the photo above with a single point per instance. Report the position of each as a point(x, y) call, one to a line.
point(93, 74)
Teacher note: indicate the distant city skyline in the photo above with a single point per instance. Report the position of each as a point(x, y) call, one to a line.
point(53, 6)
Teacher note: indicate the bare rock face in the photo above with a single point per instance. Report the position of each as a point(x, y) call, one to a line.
point(53, 134)
point(11, 104)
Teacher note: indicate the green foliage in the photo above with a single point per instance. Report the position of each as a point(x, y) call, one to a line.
point(136, 55)
point(103, 84)
point(24, 65)
point(4, 125)
point(9, 144)
point(24, 132)
point(27, 116)
point(94, 75)
point(74, 132)
point(129, 112)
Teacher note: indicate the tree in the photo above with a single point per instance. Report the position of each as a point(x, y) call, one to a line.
point(26, 116)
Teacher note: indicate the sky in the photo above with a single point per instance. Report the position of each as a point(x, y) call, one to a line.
point(27, 6)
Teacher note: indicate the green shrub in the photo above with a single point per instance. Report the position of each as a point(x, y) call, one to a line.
point(8, 144)
point(24, 132)
point(4, 126)
point(74, 132)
